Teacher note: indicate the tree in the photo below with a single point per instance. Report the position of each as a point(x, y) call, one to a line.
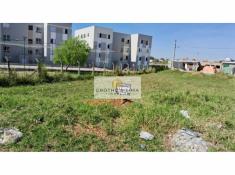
point(72, 52)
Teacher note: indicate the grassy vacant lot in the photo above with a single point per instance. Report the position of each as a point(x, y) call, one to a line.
point(57, 117)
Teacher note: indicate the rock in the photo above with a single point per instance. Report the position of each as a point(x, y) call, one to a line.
point(184, 113)
point(186, 140)
point(9, 136)
point(145, 135)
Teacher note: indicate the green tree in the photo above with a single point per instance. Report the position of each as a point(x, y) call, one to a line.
point(72, 52)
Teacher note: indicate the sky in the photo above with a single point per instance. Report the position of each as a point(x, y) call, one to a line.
point(206, 41)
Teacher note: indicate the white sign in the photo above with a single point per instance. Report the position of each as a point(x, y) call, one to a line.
point(127, 87)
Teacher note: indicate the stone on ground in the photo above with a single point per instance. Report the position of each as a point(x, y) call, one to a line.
point(9, 136)
point(185, 140)
point(146, 135)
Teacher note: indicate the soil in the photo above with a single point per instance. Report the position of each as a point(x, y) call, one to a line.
point(113, 102)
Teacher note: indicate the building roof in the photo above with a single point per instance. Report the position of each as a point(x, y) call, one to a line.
point(187, 61)
point(229, 62)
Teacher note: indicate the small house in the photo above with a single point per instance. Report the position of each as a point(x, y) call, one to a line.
point(186, 65)
point(229, 67)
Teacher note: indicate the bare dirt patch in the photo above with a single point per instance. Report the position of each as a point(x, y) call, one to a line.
point(113, 102)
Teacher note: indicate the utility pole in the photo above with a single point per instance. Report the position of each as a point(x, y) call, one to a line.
point(175, 49)
point(174, 54)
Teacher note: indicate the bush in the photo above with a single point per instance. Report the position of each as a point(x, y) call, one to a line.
point(42, 72)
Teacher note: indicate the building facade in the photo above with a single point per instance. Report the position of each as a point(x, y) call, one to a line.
point(25, 43)
point(113, 49)
point(228, 67)
point(140, 50)
point(100, 41)
point(21, 42)
point(121, 49)
point(54, 35)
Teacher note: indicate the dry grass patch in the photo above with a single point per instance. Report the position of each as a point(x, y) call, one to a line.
point(113, 102)
point(89, 129)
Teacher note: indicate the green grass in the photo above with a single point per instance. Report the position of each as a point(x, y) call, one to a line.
point(210, 101)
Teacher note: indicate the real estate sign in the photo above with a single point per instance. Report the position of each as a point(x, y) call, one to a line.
point(127, 87)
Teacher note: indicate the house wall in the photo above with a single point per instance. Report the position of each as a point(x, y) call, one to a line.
point(229, 68)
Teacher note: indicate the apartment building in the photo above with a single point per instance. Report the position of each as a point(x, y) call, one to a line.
point(109, 48)
point(122, 49)
point(100, 40)
point(54, 35)
point(140, 50)
point(24, 43)
point(21, 42)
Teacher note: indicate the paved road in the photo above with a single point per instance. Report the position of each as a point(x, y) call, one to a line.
point(32, 67)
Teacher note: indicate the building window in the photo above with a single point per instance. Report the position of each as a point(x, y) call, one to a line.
point(108, 36)
point(99, 45)
point(127, 57)
point(123, 40)
point(139, 50)
point(147, 42)
point(128, 41)
point(88, 35)
point(139, 58)
point(101, 35)
point(108, 46)
point(65, 31)
point(30, 52)
point(30, 27)
point(6, 49)
point(37, 51)
point(30, 41)
point(38, 41)
point(52, 41)
point(6, 37)
point(146, 58)
point(38, 30)
point(99, 55)
point(142, 41)
point(121, 59)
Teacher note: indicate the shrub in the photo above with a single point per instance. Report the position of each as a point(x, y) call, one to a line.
point(42, 72)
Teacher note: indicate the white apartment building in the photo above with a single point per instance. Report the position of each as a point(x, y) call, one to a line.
point(140, 50)
point(100, 40)
point(109, 49)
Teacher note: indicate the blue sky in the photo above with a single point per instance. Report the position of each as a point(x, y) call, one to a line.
point(203, 41)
